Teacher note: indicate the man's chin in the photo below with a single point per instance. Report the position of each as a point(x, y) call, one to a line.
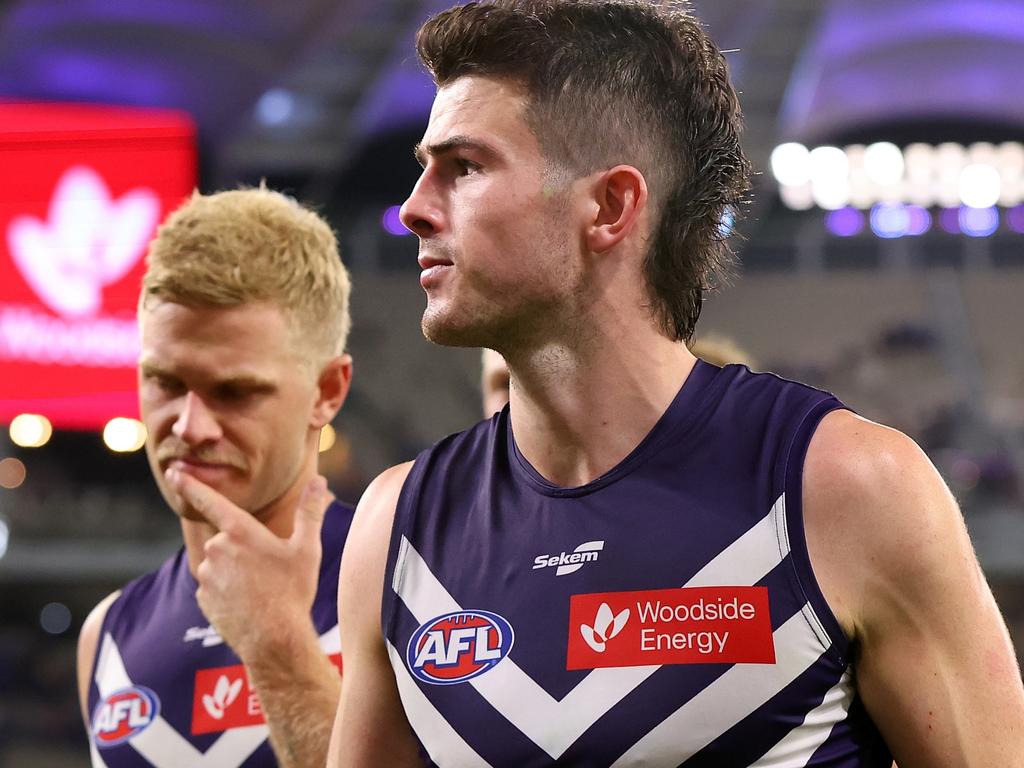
point(442, 330)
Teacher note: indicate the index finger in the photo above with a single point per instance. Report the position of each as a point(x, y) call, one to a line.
point(211, 505)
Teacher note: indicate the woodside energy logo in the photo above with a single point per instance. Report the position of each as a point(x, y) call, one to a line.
point(704, 625)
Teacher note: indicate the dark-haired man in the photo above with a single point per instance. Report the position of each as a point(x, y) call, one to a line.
point(647, 560)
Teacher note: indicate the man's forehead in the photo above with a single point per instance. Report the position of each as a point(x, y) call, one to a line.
point(475, 104)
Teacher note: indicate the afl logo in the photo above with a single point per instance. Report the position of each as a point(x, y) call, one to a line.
point(124, 714)
point(458, 646)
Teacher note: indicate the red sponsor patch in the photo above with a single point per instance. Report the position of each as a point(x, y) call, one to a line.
point(223, 699)
point(698, 625)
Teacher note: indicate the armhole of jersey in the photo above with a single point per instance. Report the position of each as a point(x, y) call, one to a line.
point(104, 630)
point(836, 640)
point(404, 515)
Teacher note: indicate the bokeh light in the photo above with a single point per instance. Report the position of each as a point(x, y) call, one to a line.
point(845, 222)
point(392, 222)
point(979, 222)
point(55, 618)
point(12, 473)
point(124, 435)
point(30, 430)
point(791, 164)
point(979, 186)
point(1015, 219)
point(883, 163)
point(890, 220)
point(328, 436)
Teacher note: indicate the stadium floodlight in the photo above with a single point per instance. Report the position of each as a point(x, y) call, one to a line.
point(791, 164)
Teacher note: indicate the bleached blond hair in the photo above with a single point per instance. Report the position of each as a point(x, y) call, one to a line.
point(249, 246)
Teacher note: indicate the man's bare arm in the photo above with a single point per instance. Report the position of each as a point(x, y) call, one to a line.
point(88, 646)
point(371, 728)
point(934, 663)
point(257, 590)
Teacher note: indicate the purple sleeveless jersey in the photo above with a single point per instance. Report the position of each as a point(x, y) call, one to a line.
point(663, 615)
point(166, 691)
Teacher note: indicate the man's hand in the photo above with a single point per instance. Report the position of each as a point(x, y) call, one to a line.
point(252, 584)
point(258, 590)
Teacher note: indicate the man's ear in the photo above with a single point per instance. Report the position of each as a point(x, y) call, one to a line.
point(619, 200)
point(332, 389)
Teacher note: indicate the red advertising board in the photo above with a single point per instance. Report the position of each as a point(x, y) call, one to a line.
point(82, 191)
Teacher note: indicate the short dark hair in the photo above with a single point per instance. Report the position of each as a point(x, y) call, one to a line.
point(612, 81)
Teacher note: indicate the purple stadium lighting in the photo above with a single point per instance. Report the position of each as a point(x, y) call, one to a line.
point(392, 223)
point(1015, 219)
point(845, 222)
point(979, 222)
point(920, 220)
point(949, 220)
point(890, 220)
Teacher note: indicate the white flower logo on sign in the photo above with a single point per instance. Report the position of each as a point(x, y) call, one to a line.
point(89, 241)
point(224, 695)
point(606, 626)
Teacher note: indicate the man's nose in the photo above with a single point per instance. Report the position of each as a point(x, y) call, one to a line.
point(196, 424)
point(421, 213)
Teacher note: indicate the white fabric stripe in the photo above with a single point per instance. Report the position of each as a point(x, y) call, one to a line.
point(796, 748)
point(159, 743)
point(554, 725)
point(751, 557)
point(444, 745)
point(330, 641)
point(720, 706)
point(97, 761)
point(816, 625)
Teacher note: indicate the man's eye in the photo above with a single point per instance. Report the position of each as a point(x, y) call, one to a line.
point(232, 394)
point(465, 166)
point(166, 383)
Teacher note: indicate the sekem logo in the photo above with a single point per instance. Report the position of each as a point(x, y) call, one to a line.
point(570, 562)
point(458, 646)
point(89, 241)
point(124, 714)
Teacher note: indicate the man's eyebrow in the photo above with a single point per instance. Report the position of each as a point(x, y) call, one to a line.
point(240, 380)
point(421, 152)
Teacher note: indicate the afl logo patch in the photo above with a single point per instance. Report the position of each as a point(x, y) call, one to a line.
point(458, 646)
point(124, 714)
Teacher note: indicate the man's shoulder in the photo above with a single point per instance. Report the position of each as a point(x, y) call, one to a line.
point(872, 496)
point(852, 459)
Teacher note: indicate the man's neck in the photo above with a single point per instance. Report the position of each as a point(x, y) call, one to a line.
point(577, 413)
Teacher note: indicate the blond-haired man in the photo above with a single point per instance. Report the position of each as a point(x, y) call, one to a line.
point(244, 317)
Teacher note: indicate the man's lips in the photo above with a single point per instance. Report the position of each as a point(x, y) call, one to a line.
point(433, 268)
point(193, 466)
point(429, 262)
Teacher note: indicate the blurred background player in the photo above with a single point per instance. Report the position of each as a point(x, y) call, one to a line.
point(244, 317)
point(598, 142)
point(494, 382)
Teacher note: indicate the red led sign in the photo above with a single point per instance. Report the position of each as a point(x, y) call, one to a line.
point(82, 191)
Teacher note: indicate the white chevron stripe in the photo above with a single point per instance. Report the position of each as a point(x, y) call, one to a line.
point(330, 641)
point(555, 724)
point(97, 761)
point(444, 745)
point(720, 706)
point(796, 748)
point(159, 743)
